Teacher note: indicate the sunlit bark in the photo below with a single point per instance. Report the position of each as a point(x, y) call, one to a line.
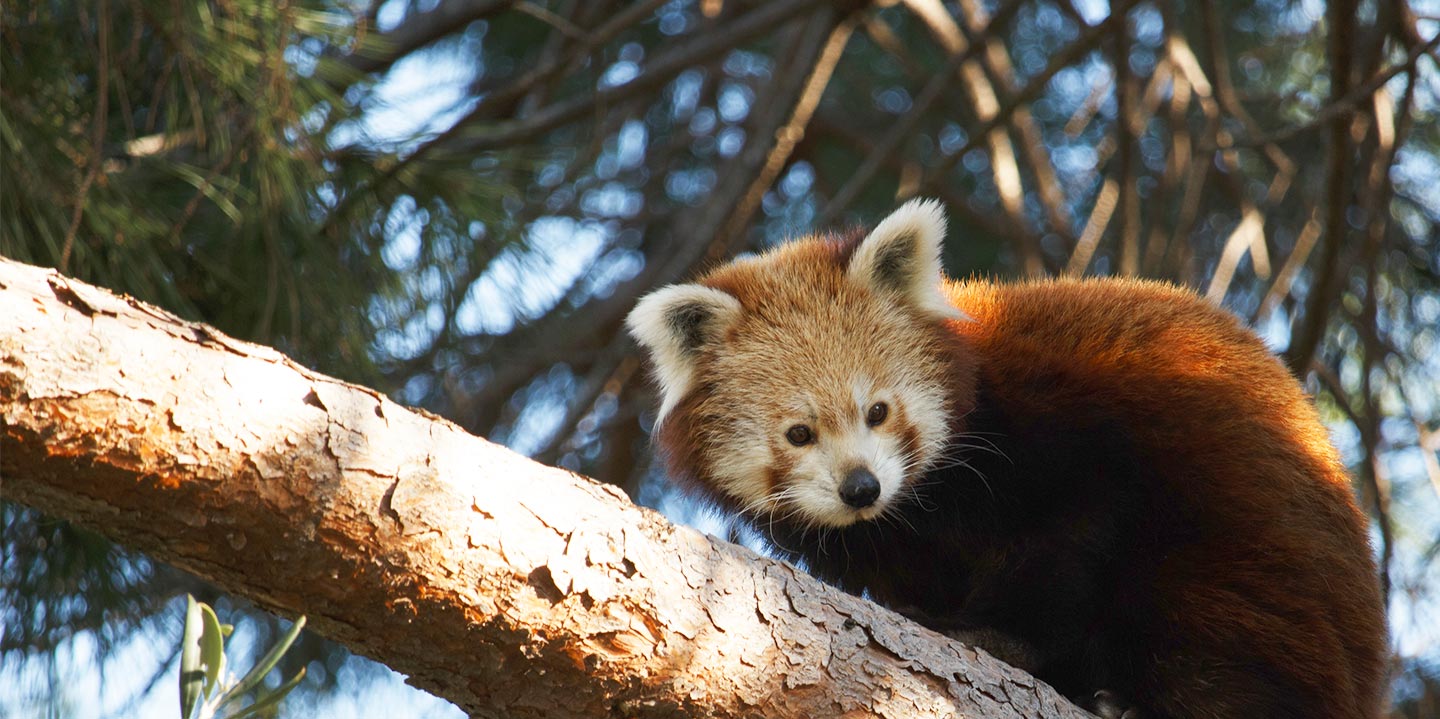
point(503, 585)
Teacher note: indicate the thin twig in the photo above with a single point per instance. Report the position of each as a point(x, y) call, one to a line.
point(565, 27)
point(1178, 155)
point(776, 130)
point(1340, 15)
point(499, 99)
point(787, 137)
point(612, 369)
point(97, 132)
point(1248, 234)
point(1389, 137)
point(1248, 237)
point(660, 70)
point(554, 47)
point(1372, 475)
point(1342, 107)
point(1080, 119)
point(1229, 101)
point(1285, 279)
point(984, 99)
point(903, 128)
point(1125, 130)
point(463, 138)
point(956, 203)
point(996, 61)
point(1088, 41)
point(1094, 228)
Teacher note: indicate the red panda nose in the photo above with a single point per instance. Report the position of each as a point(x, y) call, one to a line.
point(860, 488)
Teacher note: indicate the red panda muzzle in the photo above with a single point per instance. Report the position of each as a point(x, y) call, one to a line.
point(860, 489)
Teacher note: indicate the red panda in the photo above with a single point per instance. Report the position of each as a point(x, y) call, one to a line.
point(1112, 477)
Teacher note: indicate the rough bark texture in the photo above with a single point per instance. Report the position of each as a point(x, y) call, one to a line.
point(508, 587)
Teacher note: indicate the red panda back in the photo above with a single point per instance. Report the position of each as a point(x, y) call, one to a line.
point(1281, 558)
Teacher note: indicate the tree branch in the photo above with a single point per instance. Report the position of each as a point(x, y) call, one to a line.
point(662, 69)
point(1125, 150)
point(1089, 39)
point(510, 588)
point(1342, 105)
point(960, 55)
point(1033, 149)
point(985, 96)
point(1339, 19)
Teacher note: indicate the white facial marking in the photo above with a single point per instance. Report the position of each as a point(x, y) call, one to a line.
point(861, 391)
point(815, 485)
point(741, 466)
point(745, 454)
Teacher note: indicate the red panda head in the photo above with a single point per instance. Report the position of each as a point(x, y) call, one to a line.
point(814, 383)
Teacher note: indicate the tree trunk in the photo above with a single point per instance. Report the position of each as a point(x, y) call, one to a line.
point(508, 587)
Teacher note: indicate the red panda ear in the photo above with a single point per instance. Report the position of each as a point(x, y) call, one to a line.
point(902, 255)
point(673, 324)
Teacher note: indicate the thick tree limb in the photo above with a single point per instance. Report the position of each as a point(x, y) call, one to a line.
point(508, 587)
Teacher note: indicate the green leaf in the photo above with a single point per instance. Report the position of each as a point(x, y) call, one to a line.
point(266, 663)
point(212, 648)
point(192, 678)
point(270, 699)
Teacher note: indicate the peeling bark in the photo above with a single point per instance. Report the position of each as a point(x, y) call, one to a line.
point(508, 587)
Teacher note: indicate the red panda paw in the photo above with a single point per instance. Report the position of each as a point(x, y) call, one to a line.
point(1005, 647)
point(1110, 705)
point(1011, 650)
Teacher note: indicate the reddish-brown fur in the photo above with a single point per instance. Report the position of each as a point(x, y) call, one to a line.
point(1161, 512)
point(1277, 574)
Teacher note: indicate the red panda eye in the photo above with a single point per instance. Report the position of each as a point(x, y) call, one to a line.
point(877, 414)
point(799, 435)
